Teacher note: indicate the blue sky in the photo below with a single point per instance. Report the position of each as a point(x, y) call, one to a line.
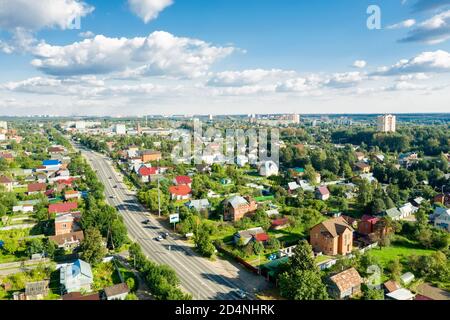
point(241, 56)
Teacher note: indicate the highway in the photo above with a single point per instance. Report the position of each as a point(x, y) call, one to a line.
point(198, 275)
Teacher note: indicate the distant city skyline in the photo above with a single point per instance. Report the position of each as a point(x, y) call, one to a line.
point(223, 57)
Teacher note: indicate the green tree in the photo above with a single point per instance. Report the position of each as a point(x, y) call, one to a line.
point(92, 247)
point(301, 280)
point(203, 241)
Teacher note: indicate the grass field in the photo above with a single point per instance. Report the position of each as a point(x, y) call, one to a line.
point(399, 249)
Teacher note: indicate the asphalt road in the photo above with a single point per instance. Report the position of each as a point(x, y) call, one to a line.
point(197, 275)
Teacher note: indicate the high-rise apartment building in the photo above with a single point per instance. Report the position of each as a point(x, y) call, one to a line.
point(386, 123)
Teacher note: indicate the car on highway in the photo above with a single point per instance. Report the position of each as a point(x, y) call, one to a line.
point(165, 235)
point(112, 197)
point(241, 294)
point(115, 187)
point(147, 221)
point(159, 238)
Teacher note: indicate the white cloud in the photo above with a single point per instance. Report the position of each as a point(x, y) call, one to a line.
point(404, 24)
point(39, 14)
point(360, 64)
point(345, 79)
point(430, 61)
point(414, 76)
point(159, 54)
point(148, 10)
point(432, 31)
point(247, 77)
point(87, 34)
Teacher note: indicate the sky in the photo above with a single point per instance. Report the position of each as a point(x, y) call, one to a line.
point(142, 57)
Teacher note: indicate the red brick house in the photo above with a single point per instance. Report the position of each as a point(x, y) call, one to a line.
point(235, 208)
point(443, 198)
point(332, 237)
point(65, 224)
point(367, 225)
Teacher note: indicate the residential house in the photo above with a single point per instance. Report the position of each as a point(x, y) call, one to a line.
point(442, 219)
point(367, 225)
point(322, 193)
point(145, 173)
point(150, 155)
point(180, 192)
point(25, 208)
point(393, 213)
point(400, 294)
point(407, 210)
point(332, 237)
point(280, 223)
point(72, 194)
point(36, 290)
point(359, 156)
point(60, 208)
point(77, 296)
point(69, 240)
point(379, 157)
point(390, 286)
point(56, 150)
point(236, 207)
point(406, 159)
point(203, 168)
point(407, 278)
point(268, 168)
point(345, 284)
point(8, 157)
point(76, 277)
point(443, 198)
point(183, 180)
point(199, 205)
point(117, 292)
point(255, 234)
point(418, 201)
point(51, 165)
point(65, 224)
point(6, 183)
point(292, 186)
point(34, 188)
point(362, 167)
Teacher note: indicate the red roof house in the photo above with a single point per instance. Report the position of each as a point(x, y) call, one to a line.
point(62, 207)
point(183, 180)
point(322, 193)
point(261, 237)
point(280, 223)
point(367, 224)
point(180, 192)
point(146, 171)
point(37, 187)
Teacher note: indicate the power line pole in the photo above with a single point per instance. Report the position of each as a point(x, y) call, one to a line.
point(159, 195)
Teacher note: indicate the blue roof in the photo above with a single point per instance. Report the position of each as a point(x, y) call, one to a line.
point(1, 244)
point(50, 162)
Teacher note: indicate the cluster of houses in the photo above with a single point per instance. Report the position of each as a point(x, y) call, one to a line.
point(76, 281)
